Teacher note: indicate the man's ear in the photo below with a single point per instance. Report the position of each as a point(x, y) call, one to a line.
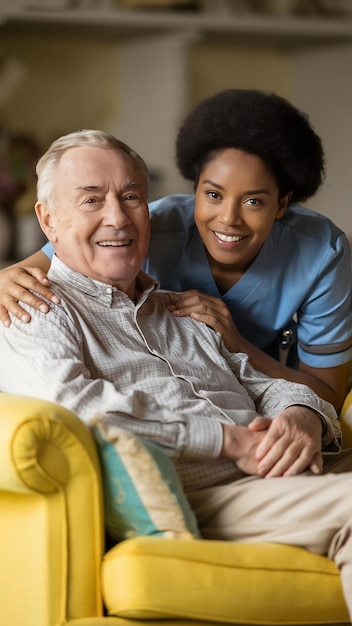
point(46, 221)
point(284, 201)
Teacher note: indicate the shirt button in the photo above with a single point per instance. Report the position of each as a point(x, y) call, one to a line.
point(109, 290)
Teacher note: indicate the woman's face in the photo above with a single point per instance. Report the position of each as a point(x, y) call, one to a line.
point(236, 204)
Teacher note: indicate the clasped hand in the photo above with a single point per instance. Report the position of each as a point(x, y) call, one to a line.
point(285, 446)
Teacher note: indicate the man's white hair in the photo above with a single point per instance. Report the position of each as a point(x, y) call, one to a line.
point(47, 164)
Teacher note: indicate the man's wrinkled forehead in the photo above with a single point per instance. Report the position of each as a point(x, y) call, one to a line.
point(92, 167)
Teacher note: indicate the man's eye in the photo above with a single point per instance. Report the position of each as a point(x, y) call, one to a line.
point(133, 200)
point(133, 197)
point(91, 203)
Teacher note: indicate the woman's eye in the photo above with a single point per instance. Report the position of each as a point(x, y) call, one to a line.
point(214, 195)
point(253, 201)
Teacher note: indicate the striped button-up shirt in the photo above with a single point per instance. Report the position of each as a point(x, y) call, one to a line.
point(166, 378)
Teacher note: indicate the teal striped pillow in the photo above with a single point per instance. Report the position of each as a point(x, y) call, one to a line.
point(142, 492)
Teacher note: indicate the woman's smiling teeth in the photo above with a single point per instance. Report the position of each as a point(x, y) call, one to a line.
point(115, 244)
point(228, 238)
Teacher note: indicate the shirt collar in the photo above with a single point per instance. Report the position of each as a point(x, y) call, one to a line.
point(95, 288)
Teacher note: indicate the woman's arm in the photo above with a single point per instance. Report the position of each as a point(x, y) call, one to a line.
point(17, 280)
point(331, 383)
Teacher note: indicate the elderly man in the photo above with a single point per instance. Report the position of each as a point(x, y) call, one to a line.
point(112, 346)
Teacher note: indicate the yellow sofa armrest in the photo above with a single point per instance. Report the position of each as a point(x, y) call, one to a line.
point(346, 421)
point(51, 514)
point(35, 440)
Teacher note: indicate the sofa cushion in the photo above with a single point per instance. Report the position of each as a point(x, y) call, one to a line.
point(221, 582)
point(142, 492)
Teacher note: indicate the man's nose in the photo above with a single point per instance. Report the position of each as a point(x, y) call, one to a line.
point(115, 214)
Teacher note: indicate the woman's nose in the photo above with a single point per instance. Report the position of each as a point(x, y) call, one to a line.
point(231, 213)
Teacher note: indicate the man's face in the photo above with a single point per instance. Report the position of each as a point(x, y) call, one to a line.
point(100, 223)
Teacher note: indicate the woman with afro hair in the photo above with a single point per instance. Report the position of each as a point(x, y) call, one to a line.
point(242, 253)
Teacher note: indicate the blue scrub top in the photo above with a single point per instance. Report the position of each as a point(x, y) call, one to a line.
point(303, 271)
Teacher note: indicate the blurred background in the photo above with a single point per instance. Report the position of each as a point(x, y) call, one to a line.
point(135, 68)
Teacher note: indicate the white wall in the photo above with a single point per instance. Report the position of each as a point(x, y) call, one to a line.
point(68, 84)
point(322, 86)
point(142, 91)
point(154, 95)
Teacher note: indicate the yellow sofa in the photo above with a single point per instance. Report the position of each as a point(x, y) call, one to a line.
point(53, 566)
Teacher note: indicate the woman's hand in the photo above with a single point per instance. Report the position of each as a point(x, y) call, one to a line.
point(211, 311)
point(15, 284)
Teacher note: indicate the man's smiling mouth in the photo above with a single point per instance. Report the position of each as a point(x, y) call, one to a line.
point(114, 244)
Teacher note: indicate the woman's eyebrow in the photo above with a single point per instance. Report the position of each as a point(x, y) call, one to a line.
point(255, 191)
point(207, 181)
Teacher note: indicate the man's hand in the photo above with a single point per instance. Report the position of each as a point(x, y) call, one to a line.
point(211, 311)
point(15, 283)
point(240, 446)
point(291, 443)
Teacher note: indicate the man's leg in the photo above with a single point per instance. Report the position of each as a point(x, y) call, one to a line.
point(312, 512)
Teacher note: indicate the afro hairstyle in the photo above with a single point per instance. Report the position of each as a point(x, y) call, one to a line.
point(260, 123)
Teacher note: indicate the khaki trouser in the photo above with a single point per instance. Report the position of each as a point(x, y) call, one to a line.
point(312, 512)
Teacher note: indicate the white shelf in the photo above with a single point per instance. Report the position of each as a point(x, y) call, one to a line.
point(123, 24)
